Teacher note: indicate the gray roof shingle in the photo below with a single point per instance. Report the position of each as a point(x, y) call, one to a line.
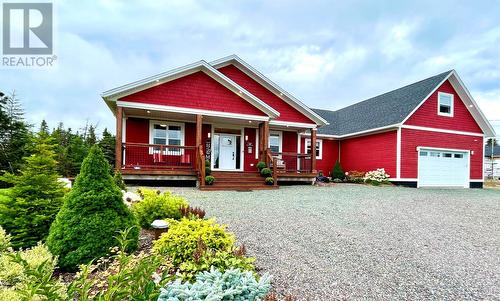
point(383, 110)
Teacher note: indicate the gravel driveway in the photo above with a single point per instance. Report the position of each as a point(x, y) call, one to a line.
point(361, 242)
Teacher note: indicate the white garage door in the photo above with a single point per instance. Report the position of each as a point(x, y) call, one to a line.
point(443, 168)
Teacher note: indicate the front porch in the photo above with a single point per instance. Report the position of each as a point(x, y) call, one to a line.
point(159, 145)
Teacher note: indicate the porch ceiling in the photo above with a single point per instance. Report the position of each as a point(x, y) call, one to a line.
point(188, 117)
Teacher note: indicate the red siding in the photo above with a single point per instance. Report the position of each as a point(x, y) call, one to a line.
point(196, 91)
point(410, 139)
point(370, 152)
point(287, 112)
point(427, 115)
point(137, 130)
point(289, 143)
point(330, 154)
point(249, 158)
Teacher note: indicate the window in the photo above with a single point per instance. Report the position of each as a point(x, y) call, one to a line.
point(275, 142)
point(319, 147)
point(446, 155)
point(458, 156)
point(445, 104)
point(167, 133)
point(435, 154)
point(423, 154)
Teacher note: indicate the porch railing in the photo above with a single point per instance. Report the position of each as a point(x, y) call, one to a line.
point(293, 162)
point(157, 156)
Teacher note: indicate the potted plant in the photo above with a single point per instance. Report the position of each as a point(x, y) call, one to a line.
point(261, 165)
point(209, 180)
point(266, 172)
point(269, 181)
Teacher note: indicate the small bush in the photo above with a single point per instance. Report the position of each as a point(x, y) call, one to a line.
point(261, 165)
point(266, 172)
point(269, 181)
point(355, 176)
point(157, 206)
point(215, 285)
point(181, 240)
point(92, 214)
point(203, 259)
point(193, 212)
point(337, 172)
point(377, 177)
point(209, 180)
point(27, 274)
point(208, 170)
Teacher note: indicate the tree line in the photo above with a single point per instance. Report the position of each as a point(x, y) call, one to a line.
point(18, 140)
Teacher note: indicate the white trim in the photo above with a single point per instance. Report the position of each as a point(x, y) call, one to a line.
point(443, 149)
point(490, 131)
point(136, 105)
point(292, 124)
point(124, 129)
point(476, 180)
point(113, 94)
point(242, 146)
point(429, 95)
point(423, 128)
point(320, 141)
point(484, 155)
point(452, 106)
point(280, 134)
point(398, 153)
point(466, 185)
point(271, 86)
point(257, 143)
point(167, 123)
point(464, 94)
point(379, 129)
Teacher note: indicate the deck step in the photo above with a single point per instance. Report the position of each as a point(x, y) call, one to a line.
point(238, 181)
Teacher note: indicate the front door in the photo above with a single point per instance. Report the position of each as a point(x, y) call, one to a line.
point(227, 157)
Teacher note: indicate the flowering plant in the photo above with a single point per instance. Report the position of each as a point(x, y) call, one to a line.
point(379, 175)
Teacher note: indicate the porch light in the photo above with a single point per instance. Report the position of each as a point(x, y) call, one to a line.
point(246, 137)
point(209, 135)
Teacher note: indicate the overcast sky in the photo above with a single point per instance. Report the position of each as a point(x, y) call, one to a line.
point(327, 54)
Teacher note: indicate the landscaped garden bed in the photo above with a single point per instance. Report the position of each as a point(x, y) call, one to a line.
point(98, 243)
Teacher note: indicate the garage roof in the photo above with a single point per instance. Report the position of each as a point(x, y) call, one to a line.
point(384, 110)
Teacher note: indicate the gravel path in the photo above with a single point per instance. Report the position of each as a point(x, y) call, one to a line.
point(361, 242)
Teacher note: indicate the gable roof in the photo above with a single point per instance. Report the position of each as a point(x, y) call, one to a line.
point(111, 96)
point(270, 85)
point(393, 108)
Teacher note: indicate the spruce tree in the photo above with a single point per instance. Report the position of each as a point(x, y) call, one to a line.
point(14, 134)
point(337, 172)
point(92, 214)
point(107, 144)
point(35, 198)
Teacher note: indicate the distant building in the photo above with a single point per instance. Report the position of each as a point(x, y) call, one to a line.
point(492, 169)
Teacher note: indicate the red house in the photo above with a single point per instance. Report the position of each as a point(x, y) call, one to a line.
point(429, 133)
